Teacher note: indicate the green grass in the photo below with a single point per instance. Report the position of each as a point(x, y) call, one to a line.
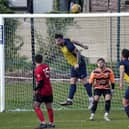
point(65, 120)
point(19, 96)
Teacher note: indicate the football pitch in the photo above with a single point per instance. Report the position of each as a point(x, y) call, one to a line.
point(72, 117)
point(65, 119)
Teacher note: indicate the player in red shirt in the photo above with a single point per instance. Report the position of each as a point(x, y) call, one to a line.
point(43, 93)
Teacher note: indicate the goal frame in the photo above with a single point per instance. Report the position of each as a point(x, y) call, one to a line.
point(2, 67)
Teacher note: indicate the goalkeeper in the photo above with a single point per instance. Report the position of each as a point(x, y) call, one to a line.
point(78, 68)
point(43, 93)
point(101, 79)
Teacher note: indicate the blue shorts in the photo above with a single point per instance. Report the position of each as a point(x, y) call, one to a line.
point(79, 72)
point(127, 93)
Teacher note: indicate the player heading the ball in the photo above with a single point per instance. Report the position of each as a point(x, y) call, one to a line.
point(78, 67)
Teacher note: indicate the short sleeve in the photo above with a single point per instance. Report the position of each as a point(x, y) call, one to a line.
point(91, 79)
point(112, 77)
point(38, 75)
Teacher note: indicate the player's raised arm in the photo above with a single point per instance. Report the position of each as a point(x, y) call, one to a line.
point(79, 44)
point(122, 70)
point(77, 52)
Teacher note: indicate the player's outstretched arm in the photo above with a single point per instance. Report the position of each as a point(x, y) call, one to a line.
point(79, 44)
point(121, 69)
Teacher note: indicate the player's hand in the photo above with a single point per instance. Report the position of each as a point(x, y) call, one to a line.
point(35, 92)
point(112, 91)
point(85, 47)
point(76, 66)
point(121, 86)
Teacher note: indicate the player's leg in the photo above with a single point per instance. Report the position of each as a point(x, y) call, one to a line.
point(107, 96)
point(82, 74)
point(126, 101)
point(89, 91)
point(72, 88)
point(48, 103)
point(87, 86)
point(36, 105)
point(97, 94)
point(72, 91)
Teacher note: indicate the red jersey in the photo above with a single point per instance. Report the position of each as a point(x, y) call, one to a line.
point(42, 72)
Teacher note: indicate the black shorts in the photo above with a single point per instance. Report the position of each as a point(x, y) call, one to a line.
point(43, 99)
point(103, 92)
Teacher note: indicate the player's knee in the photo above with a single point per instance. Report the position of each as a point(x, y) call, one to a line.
point(108, 97)
point(48, 105)
point(73, 80)
point(35, 105)
point(125, 102)
point(84, 81)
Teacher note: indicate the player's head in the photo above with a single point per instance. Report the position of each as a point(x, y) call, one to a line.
point(59, 39)
point(125, 54)
point(101, 63)
point(38, 59)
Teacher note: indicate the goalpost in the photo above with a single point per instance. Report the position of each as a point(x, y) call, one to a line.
point(2, 72)
point(98, 33)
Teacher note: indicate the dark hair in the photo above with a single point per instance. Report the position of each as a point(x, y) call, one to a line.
point(101, 59)
point(125, 53)
point(58, 36)
point(38, 58)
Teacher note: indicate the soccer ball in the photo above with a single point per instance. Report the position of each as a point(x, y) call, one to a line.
point(76, 8)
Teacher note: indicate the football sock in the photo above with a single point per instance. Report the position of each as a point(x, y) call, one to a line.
point(72, 91)
point(50, 115)
point(107, 105)
point(127, 110)
point(94, 107)
point(88, 89)
point(40, 114)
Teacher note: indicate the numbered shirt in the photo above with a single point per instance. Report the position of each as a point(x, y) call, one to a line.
point(42, 72)
point(102, 79)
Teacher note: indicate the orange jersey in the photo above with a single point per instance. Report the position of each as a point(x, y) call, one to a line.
point(102, 79)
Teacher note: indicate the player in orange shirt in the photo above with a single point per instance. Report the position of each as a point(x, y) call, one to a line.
point(102, 79)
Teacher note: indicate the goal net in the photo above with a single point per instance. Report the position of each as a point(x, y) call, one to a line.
point(104, 36)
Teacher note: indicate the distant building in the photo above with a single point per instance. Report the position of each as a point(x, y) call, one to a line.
point(20, 6)
point(24, 6)
point(45, 6)
point(42, 6)
point(105, 5)
point(96, 5)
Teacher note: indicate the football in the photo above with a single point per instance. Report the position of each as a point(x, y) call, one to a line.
point(76, 8)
